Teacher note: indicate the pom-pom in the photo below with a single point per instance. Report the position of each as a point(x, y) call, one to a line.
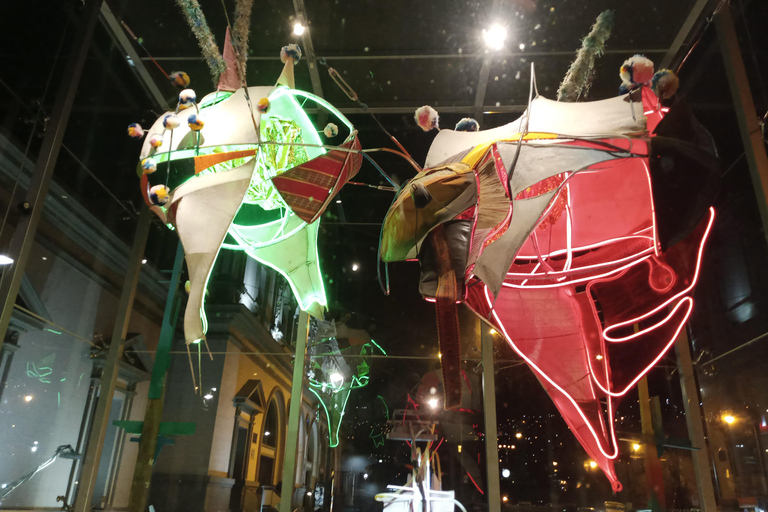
point(170, 122)
point(195, 122)
point(467, 125)
point(263, 105)
point(331, 130)
point(292, 50)
point(156, 140)
point(426, 117)
point(179, 78)
point(187, 98)
point(187, 286)
point(149, 165)
point(135, 131)
point(159, 194)
point(665, 83)
point(636, 70)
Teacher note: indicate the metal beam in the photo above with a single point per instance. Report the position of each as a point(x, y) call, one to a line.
point(309, 48)
point(695, 423)
point(489, 417)
point(751, 135)
point(92, 455)
point(690, 25)
point(500, 54)
point(24, 235)
point(115, 30)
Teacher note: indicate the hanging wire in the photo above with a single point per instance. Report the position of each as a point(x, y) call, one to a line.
point(61, 451)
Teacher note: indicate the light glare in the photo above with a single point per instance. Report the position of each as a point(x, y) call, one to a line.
point(298, 29)
point(494, 37)
point(5, 260)
point(432, 403)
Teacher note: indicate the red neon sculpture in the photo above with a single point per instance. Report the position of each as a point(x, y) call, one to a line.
point(577, 232)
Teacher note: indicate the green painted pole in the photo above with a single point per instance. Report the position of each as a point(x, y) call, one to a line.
point(145, 460)
point(292, 439)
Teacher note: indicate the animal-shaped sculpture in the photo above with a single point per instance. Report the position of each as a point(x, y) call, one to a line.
point(245, 169)
point(576, 232)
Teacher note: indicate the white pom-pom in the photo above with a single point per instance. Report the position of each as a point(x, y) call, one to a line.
point(426, 117)
point(159, 194)
point(636, 70)
point(291, 50)
point(149, 165)
point(187, 98)
point(331, 130)
point(170, 122)
point(156, 140)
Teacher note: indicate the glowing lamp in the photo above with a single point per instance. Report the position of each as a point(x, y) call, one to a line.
point(28, 398)
point(298, 29)
point(5, 260)
point(494, 37)
point(505, 473)
point(518, 435)
point(433, 402)
point(636, 447)
point(729, 419)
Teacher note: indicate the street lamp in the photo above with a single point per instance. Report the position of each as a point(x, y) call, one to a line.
point(729, 419)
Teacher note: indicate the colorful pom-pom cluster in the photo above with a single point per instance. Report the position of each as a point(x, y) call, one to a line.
point(263, 105)
point(636, 71)
point(331, 130)
point(187, 98)
point(292, 50)
point(426, 117)
point(156, 140)
point(135, 131)
point(179, 78)
point(467, 124)
point(665, 83)
point(148, 165)
point(195, 122)
point(158, 194)
point(170, 122)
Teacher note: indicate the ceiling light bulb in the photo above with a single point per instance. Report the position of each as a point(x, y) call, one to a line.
point(494, 37)
point(5, 260)
point(505, 473)
point(208, 396)
point(432, 403)
point(298, 29)
point(355, 266)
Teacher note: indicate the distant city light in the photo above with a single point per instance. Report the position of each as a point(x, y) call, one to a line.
point(592, 464)
point(636, 447)
point(365, 476)
point(298, 29)
point(266, 433)
point(494, 37)
point(518, 435)
point(505, 473)
point(729, 419)
point(355, 266)
point(505, 498)
point(144, 261)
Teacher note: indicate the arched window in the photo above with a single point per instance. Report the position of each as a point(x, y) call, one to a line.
point(271, 425)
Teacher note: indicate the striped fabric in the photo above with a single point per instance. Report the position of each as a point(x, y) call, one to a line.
point(308, 188)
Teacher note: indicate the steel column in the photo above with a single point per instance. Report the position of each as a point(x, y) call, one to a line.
point(24, 235)
point(751, 135)
point(92, 454)
point(489, 416)
point(292, 437)
point(694, 421)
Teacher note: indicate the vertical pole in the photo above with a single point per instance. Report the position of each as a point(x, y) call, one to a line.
point(24, 235)
point(292, 439)
point(489, 415)
point(654, 475)
point(751, 136)
point(145, 461)
point(111, 367)
point(694, 420)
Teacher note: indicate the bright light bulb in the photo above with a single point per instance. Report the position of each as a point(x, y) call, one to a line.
point(266, 433)
point(208, 396)
point(28, 398)
point(432, 403)
point(355, 266)
point(636, 447)
point(34, 449)
point(505, 473)
point(336, 377)
point(592, 464)
point(5, 260)
point(599, 357)
point(518, 435)
point(494, 37)
point(365, 476)
point(298, 29)
point(729, 419)
point(144, 261)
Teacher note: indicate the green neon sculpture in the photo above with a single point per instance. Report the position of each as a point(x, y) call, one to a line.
point(246, 170)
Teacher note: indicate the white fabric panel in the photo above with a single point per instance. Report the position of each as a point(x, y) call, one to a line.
point(206, 207)
point(604, 117)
